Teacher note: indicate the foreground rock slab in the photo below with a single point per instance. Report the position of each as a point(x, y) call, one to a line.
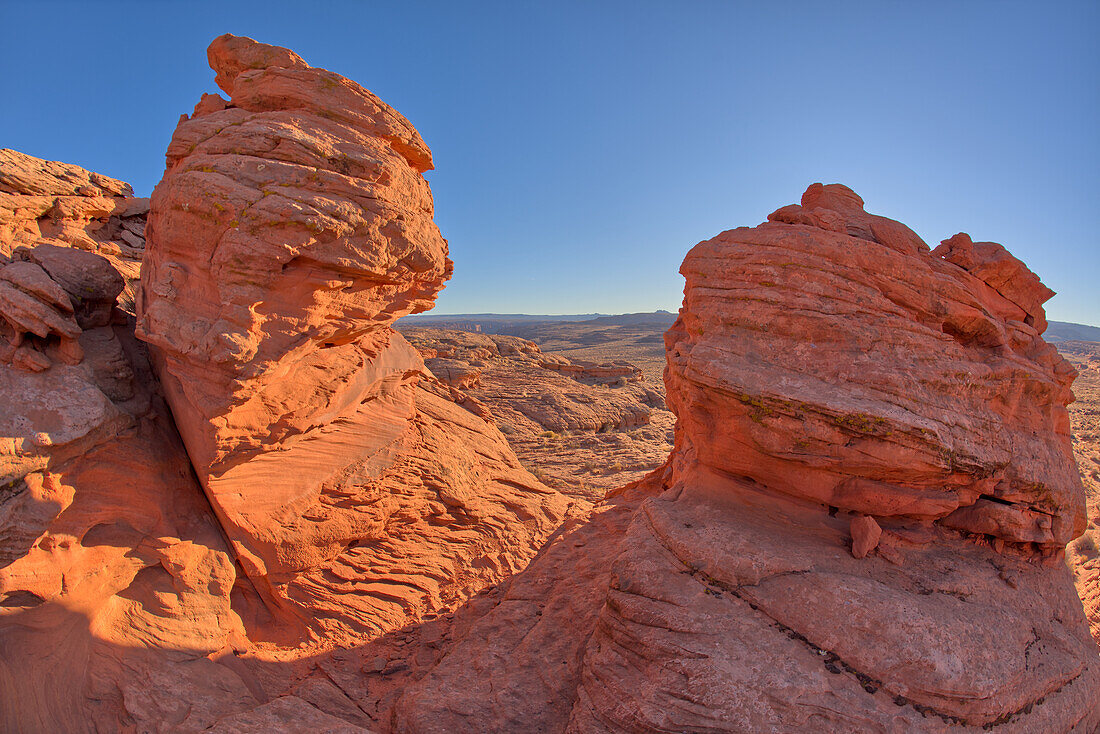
point(115, 579)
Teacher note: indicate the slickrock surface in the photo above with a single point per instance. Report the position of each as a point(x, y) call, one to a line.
point(583, 428)
point(830, 376)
point(67, 206)
point(109, 553)
point(292, 226)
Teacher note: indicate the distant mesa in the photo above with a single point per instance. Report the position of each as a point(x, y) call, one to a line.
point(1060, 331)
point(648, 317)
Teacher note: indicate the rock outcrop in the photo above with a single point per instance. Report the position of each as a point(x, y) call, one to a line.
point(293, 225)
point(1083, 555)
point(67, 206)
point(937, 400)
point(109, 554)
point(249, 504)
point(336, 498)
point(859, 528)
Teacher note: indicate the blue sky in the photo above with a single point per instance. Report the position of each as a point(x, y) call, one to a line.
point(582, 148)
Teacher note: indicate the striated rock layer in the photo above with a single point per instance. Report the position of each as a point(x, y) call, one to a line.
point(859, 528)
point(67, 206)
point(293, 225)
point(847, 365)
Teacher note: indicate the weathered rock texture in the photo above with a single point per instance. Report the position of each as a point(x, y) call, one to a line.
point(847, 365)
point(342, 499)
point(67, 206)
point(292, 226)
point(114, 577)
point(584, 428)
point(840, 392)
point(860, 527)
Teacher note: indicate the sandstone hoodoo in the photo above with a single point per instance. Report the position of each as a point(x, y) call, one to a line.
point(293, 225)
point(848, 365)
point(860, 526)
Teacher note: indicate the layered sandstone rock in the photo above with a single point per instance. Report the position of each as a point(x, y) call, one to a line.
point(877, 378)
point(114, 578)
point(292, 226)
point(353, 499)
point(858, 528)
point(67, 206)
point(1083, 555)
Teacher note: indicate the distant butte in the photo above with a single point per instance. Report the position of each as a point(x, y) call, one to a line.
point(234, 498)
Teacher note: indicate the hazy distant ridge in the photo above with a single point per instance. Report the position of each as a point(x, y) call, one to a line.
point(1058, 331)
point(502, 317)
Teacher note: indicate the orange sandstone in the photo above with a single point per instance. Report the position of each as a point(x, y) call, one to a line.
point(292, 227)
point(858, 528)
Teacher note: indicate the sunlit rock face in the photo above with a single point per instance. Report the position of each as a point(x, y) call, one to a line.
point(293, 225)
point(860, 526)
point(115, 580)
point(47, 202)
point(829, 356)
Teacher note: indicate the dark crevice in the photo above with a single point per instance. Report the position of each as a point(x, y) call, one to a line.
point(21, 598)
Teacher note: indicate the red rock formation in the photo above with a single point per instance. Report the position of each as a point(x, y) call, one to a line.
point(109, 555)
point(353, 500)
point(884, 353)
point(65, 205)
point(855, 531)
point(292, 226)
point(606, 373)
point(858, 529)
point(1083, 555)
